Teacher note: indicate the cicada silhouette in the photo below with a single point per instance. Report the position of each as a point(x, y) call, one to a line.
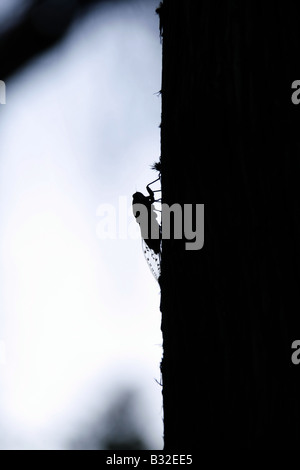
point(146, 216)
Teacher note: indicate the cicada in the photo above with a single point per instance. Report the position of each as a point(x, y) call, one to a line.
point(147, 218)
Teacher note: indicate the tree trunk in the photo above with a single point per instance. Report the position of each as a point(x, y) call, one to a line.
point(230, 139)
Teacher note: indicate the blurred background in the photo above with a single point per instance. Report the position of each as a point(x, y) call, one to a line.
point(80, 339)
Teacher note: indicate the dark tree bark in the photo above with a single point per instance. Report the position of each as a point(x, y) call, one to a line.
point(231, 139)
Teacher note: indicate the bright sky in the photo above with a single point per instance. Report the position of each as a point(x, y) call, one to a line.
point(79, 315)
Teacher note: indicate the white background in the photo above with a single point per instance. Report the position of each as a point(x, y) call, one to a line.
point(79, 316)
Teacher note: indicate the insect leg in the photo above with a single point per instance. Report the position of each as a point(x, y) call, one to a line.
point(153, 181)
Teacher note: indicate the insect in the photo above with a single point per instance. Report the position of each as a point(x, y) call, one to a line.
point(146, 216)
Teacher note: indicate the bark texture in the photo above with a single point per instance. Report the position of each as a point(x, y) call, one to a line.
point(231, 139)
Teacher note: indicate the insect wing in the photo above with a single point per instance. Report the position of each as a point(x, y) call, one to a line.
point(153, 260)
